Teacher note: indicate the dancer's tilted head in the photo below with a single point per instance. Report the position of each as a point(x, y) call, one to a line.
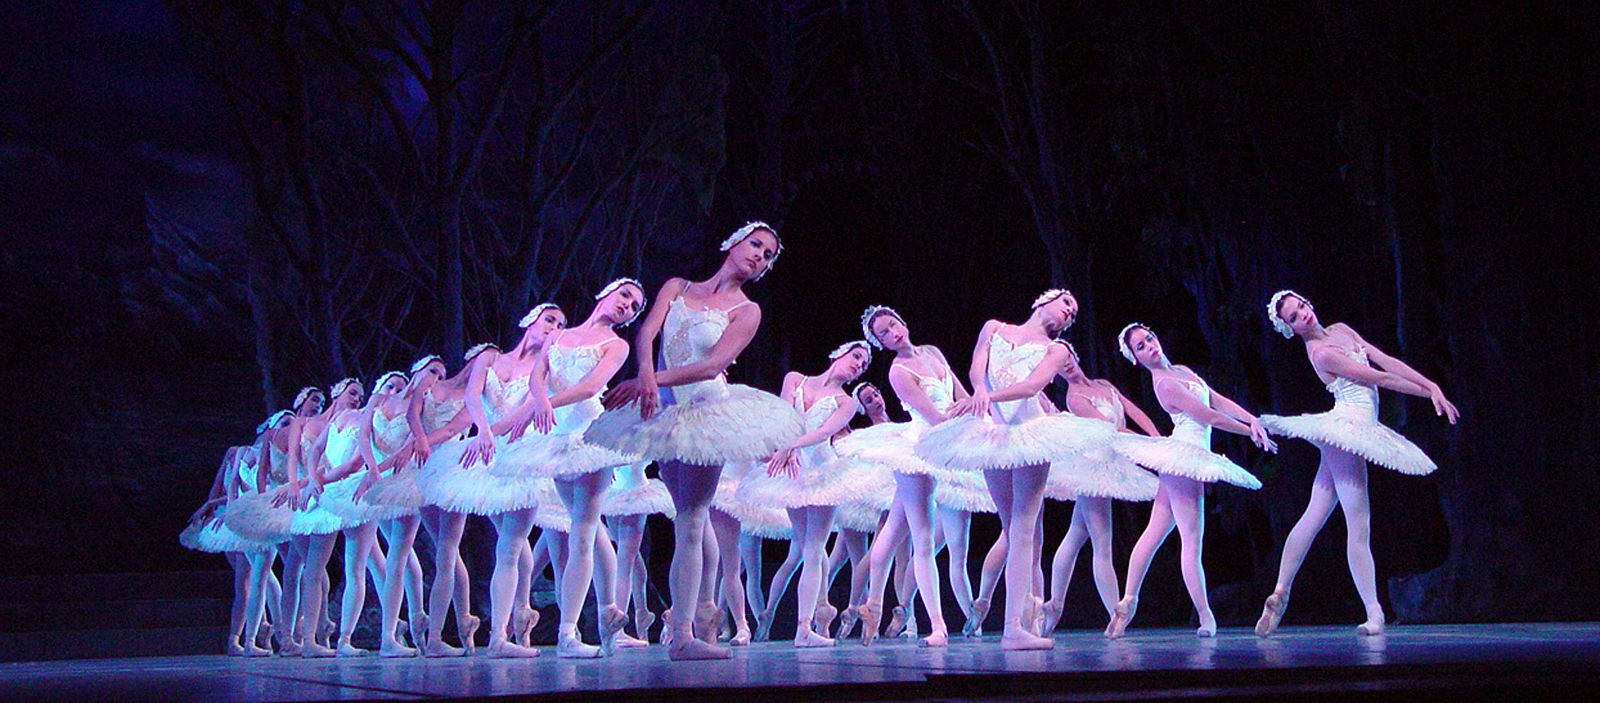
point(1071, 370)
point(427, 364)
point(277, 420)
point(621, 302)
point(884, 328)
point(309, 401)
point(1057, 308)
point(346, 394)
point(540, 322)
point(752, 250)
point(390, 383)
point(849, 360)
point(1291, 313)
point(1140, 347)
point(869, 398)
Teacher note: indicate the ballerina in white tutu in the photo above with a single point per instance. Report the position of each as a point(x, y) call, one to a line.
point(1349, 436)
point(711, 421)
point(458, 478)
point(1092, 482)
point(806, 480)
point(1003, 431)
point(627, 505)
point(569, 375)
point(1185, 468)
point(927, 388)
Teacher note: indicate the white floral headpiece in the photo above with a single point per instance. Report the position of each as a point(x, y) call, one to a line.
point(625, 281)
point(306, 393)
point(1122, 341)
point(533, 315)
point(1272, 311)
point(479, 349)
point(871, 314)
point(343, 385)
point(385, 377)
point(861, 405)
point(422, 363)
point(847, 346)
point(740, 234)
point(1046, 297)
point(272, 420)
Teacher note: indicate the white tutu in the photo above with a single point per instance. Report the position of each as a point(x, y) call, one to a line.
point(217, 538)
point(254, 518)
point(474, 490)
point(339, 498)
point(737, 424)
point(189, 537)
point(1357, 434)
point(550, 513)
point(892, 444)
point(976, 444)
point(857, 516)
point(964, 490)
point(828, 484)
point(759, 520)
point(651, 498)
point(1165, 455)
point(399, 490)
point(1100, 473)
point(554, 455)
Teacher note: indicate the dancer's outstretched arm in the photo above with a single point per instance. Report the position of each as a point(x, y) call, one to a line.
point(1137, 415)
point(1441, 405)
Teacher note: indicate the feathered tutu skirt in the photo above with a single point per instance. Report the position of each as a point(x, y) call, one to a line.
point(1357, 432)
point(562, 452)
point(549, 513)
point(759, 520)
point(734, 423)
point(255, 518)
point(214, 536)
point(891, 444)
point(651, 498)
point(1100, 473)
point(823, 479)
point(982, 444)
point(339, 498)
point(859, 517)
point(964, 490)
point(476, 489)
point(398, 489)
point(1173, 457)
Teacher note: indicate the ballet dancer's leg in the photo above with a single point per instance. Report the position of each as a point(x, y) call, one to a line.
point(778, 587)
point(893, 531)
point(692, 488)
point(314, 593)
point(1350, 478)
point(728, 547)
point(818, 522)
point(359, 543)
point(1155, 533)
point(446, 554)
point(402, 537)
point(1019, 494)
point(511, 535)
point(1324, 498)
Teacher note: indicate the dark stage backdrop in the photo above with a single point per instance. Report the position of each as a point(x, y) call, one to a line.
point(208, 205)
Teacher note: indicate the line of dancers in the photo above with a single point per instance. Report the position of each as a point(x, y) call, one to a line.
point(531, 436)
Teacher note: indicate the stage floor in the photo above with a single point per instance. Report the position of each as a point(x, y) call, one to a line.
point(1459, 661)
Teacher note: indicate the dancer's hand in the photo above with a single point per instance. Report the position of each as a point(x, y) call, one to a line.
point(421, 450)
point(784, 463)
point(290, 496)
point(367, 482)
point(976, 405)
point(1258, 434)
point(479, 448)
point(543, 417)
point(1442, 406)
point(622, 394)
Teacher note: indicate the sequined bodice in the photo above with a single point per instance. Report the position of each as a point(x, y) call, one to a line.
point(1186, 428)
point(388, 433)
point(1352, 397)
point(941, 392)
point(816, 454)
point(249, 469)
point(438, 413)
point(568, 366)
point(501, 397)
point(689, 336)
point(1109, 407)
point(279, 471)
point(341, 443)
point(1008, 364)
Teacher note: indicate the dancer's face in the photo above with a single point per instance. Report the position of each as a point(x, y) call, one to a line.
point(1296, 313)
point(620, 306)
point(1071, 369)
point(755, 253)
point(890, 331)
point(1060, 313)
point(434, 370)
point(348, 398)
point(851, 364)
point(872, 400)
point(392, 385)
point(550, 321)
point(311, 405)
point(1146, 348)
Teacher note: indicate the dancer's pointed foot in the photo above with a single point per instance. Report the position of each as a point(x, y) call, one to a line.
point(256, 651)
point(1121, 616)
point(419, 629)
point(315, 650)
point(264, 634)
point(325, 633)
point(506, 649)
point(939, 638)
point(438, 648)
point(848, 621)
point(897, 622)
point(568, 646)
point(871, 613)
point(627, 641)
point(467, 628)
point(804, 638)
point(393, 649)
point(1371, 628)
point(980, 612)
point(1052, 618)
point(1272, 614)
point(612, 620)
point(822, 621)
point(1208, 625)
point(642, 620)
point(349, 650)
point(1033, 616)
point(763, 628)
point(666, 627)
point(1018, 638)
point(690, 649)
point(287, 647)
point(707, 619)
point(741, 635)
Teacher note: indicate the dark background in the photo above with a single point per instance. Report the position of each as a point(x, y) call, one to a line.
point(209, 205)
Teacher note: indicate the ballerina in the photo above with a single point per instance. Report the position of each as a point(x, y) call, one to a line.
point(856, 521)
point(711, 423)
point(1185, 467)
point(1003, 431)
point(498, 384)
point(1092, 483)
point(927, 388)
point(740, 529)
point(628, 503)
point(434, 402)
point(806, 480)
point(569, 375)
point(207, 532)
point(1348, 436)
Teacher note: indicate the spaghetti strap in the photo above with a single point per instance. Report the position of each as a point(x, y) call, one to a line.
point(729, 311)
